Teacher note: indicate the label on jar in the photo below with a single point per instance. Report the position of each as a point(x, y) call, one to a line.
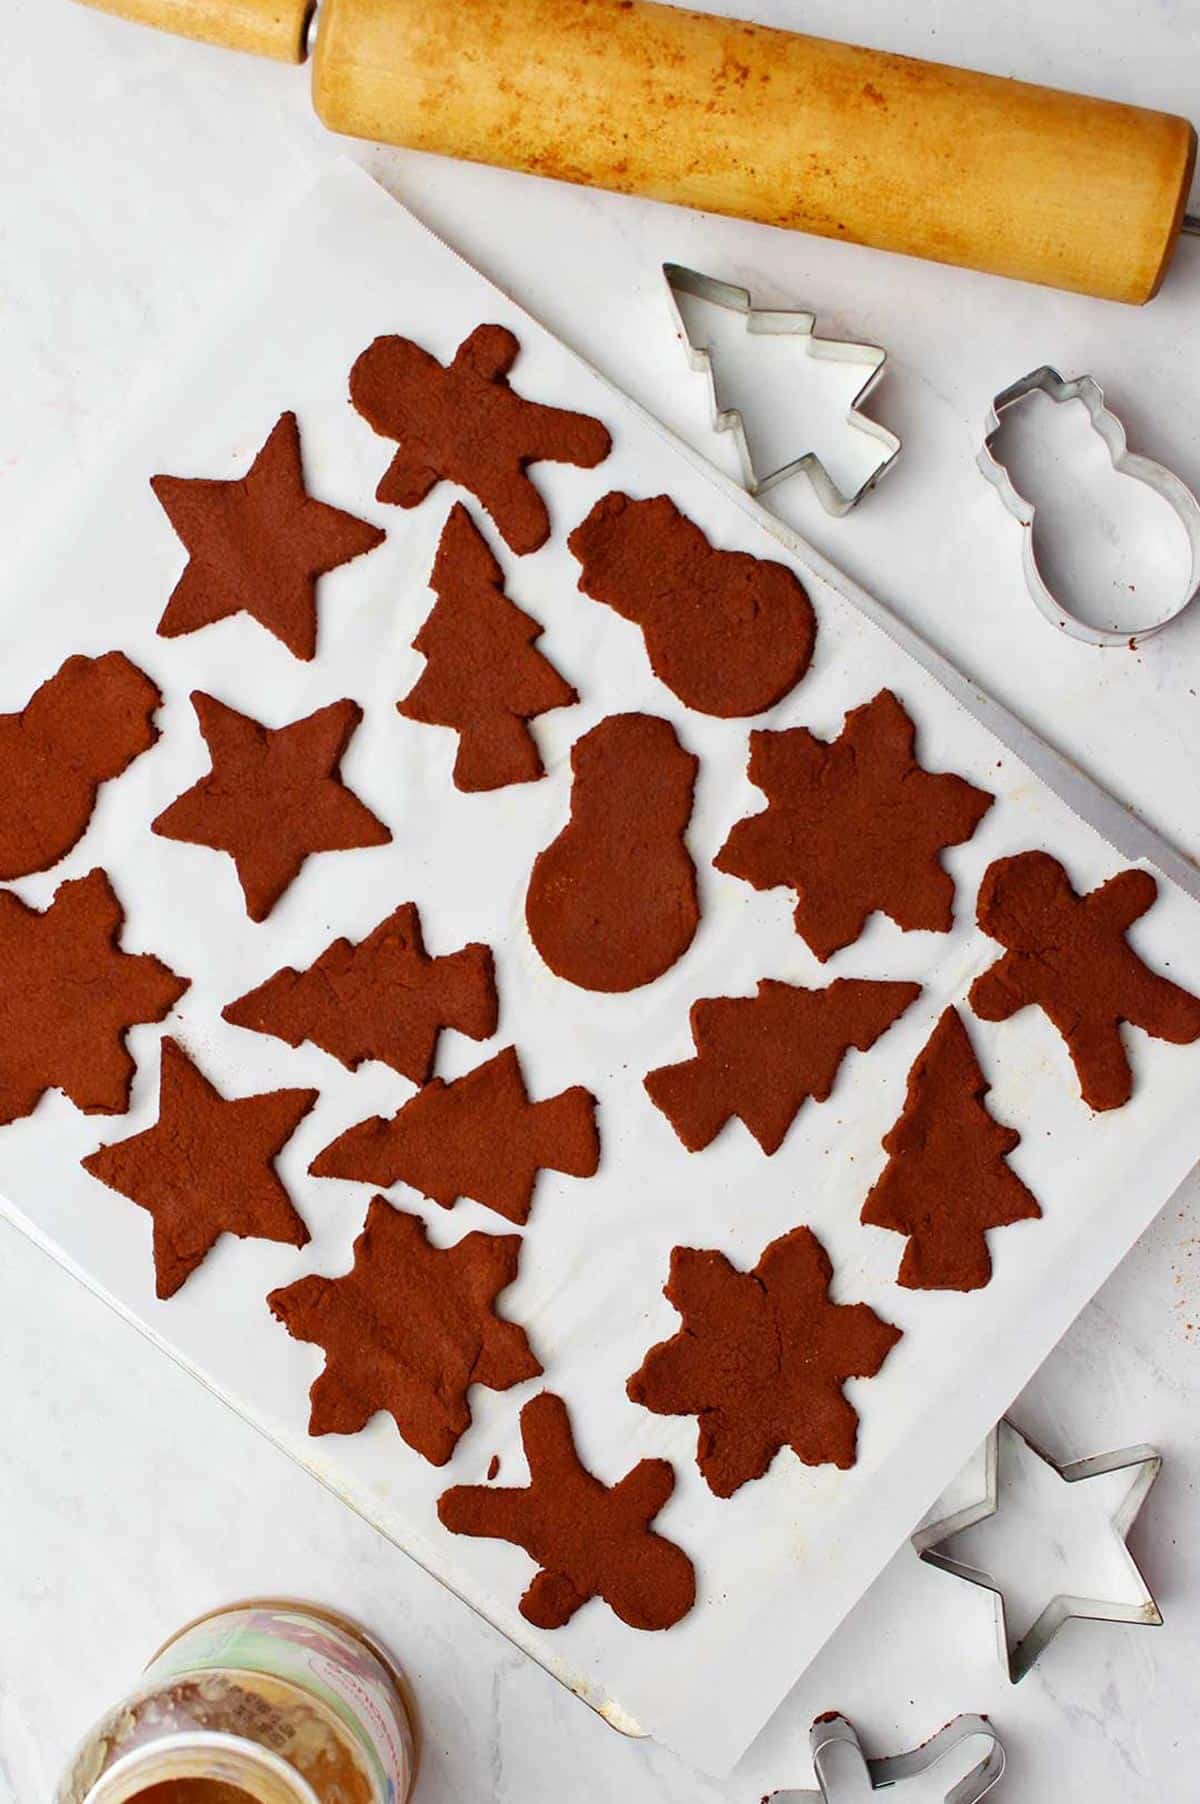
point(319, 1656)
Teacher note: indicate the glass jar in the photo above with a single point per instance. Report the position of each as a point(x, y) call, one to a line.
point(261, 1703)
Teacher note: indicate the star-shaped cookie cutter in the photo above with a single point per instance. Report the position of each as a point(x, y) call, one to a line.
point(1155, 476)
point(801, 324)
point(846, 1776)
point(1143, 1462)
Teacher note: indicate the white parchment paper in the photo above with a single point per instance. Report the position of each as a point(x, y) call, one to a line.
point(781, 1563)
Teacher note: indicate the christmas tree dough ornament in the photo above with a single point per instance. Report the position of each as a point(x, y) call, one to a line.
point(409, 1329)
point(479, 1137)
point(384, 998)
point(83, 726)
point(258, 544)
point(273, 797)
point(947, 1179)
point(853, 825)
point(761, 1359)
point(588, 1539)
point(761, 1057)
point(1068, 954)
point(728, 633)
point(206, 1168)
point(483, 676)
point(68, 995)
point(612, 902)
point(462, 423)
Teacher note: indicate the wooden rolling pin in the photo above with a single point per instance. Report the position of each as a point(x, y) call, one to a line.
point(710, 112)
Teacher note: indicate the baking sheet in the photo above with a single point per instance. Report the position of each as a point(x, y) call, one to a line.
point(780, 1564)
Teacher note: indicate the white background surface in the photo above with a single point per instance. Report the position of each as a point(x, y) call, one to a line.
point(129, 1497)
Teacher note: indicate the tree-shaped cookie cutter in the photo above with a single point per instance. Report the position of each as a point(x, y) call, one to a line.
point(1164, 482)
point(846, 1776)
point(802, 325)
point(1143, 1463)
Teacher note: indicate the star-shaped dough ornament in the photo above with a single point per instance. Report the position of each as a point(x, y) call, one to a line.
point(257, 545)
point(206, 1167)
point(1017, 1475)
point(273, 797)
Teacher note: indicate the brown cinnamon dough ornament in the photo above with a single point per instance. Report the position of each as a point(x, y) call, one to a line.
point(68, 995)
point(84, 726)
point(463, 422)
point(273, 797)
point(612, 901)
point(761, 1359)
point(483, 676)
point(588, 1539)
point(384, 999)
point(257, 545)
point(409, 1330)
point(1068, 955)
point(947, 1179)
point(761, 1057)
point(479, 1136)
point(853, 825)
point(206, 1168)
point(728, 633)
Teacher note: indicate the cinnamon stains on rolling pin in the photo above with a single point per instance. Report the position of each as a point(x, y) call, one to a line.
point(960, 167)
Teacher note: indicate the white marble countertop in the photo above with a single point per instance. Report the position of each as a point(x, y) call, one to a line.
point(130, 1499)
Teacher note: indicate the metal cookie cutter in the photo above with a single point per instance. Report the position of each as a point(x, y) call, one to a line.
point(1142, 1462)
point(1164, 482)
point(802, 325)
point(846, 1776)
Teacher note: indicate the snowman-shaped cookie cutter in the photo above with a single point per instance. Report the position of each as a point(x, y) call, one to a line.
point(1164, 482)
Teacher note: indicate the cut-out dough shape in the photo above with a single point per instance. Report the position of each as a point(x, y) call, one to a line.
point(68, 995)
point(258, 544)
point(761, 1359)
point(947, 1179)
point(479, 1137)
point(611, 902)
point(483, 675)
point(588, 1539)
point(853, 825)
point(1067, 953)
point(463, 423)
point(273, 797)
point(728, 633)
point(206, 1168)
point(85, 725)
point(384, 999)
point(761, 1057)
point(409, 1329)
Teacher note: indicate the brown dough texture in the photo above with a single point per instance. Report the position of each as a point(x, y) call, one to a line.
point(206, 1168)
point(947, 1180)
point(761, 1359)
point(479, 1137)
point(409, 1330)
point(463, 423)
point(67, 996)
point(612, 901)
point(588, 1539)
point(761, 1057)
point(384, 999)
point(257, 545)
point(272, 797)
point(1068, 955)
point(728, 633)
point(85, 725)
point(483, 676)
point(853, 825)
